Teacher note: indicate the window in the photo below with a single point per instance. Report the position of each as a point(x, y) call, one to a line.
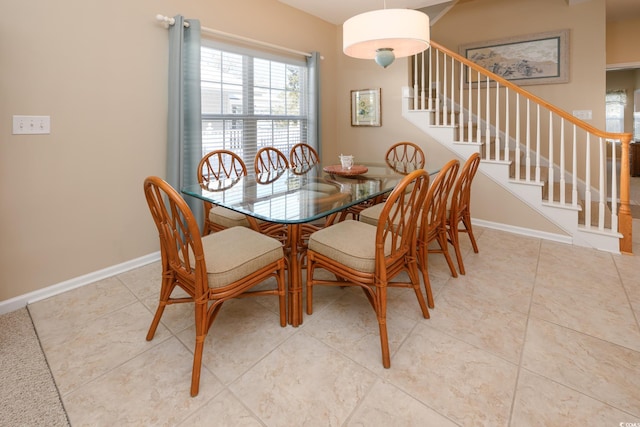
point(251, 100)
point(616, 100)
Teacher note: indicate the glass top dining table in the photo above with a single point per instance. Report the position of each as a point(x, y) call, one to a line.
point(298, 196)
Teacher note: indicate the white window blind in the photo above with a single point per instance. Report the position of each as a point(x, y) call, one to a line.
point(616, 100)
point(252, 99)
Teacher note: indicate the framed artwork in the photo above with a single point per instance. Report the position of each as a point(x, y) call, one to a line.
point(365, 107)
point(541, 58)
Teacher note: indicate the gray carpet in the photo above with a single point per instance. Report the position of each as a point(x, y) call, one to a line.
point(28, 395)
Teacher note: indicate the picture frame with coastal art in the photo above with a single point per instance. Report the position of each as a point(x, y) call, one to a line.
point(365, 107)
point(541, 58)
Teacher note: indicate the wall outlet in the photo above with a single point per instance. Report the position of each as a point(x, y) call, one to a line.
point(31, 125)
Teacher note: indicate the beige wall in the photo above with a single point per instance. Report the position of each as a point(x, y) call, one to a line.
point(622, 42)
point(72, 201)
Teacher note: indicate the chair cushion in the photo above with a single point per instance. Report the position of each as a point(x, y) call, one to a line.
point(321, 187)
point(371, 214)
point(237, 252)
point(227, 217)
point(351, 243)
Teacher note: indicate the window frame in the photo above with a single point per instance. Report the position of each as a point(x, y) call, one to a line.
point(248, 141)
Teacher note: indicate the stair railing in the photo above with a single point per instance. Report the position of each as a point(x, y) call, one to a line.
point(540, 141)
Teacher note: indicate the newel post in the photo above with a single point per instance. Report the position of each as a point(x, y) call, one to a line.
point(624, 215)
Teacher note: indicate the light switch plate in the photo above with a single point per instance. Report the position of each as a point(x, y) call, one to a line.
point(583, 114)
point(31, 125)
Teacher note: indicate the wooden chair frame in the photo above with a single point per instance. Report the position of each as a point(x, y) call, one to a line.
point(184, 266)
point(405, 153)
point(433, 223)
point(460, 211)
point(303, 156)
point(395, 251)
point(216, 165)
point(270, 159)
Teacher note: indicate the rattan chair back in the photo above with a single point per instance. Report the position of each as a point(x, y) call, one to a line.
point(459, 208)
point(269, 159)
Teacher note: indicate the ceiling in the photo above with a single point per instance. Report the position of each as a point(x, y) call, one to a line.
point(338, 11)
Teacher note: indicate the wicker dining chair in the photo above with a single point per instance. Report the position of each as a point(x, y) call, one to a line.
point(402, 154)
point(210, 269)
point(370, 257)
point(270, 159)
point(432, 224)
point(217, 165)
point(402, 157)
point(459, 212)
point(303, 155)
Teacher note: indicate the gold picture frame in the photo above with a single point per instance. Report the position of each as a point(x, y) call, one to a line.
point(365, 107)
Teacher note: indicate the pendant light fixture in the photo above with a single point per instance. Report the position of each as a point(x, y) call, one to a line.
point(385, 34)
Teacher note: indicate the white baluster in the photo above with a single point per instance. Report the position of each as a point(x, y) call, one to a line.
point(470, 124)
point(430, 88)
point(422, 75)
point(497, 121)
point(507, 121)
point(574, 182)
point(551, 168)
point(538, 143)
point(461, 107)
point(445, 87)
point(587, 196)
point(614, 187)
point(487, 119)
point(517, 159)
point(562, 170)
point(415, 82)
point(453, 83)
point(437, 70)
point(602, 187)
point(479, 113)
point(527, 173)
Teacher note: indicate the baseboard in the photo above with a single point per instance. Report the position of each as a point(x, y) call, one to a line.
point(23, 300)
point(561, 238)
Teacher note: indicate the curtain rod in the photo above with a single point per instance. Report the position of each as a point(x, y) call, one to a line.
point(170, 21)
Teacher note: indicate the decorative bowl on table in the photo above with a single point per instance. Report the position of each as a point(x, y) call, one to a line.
point(339, 170)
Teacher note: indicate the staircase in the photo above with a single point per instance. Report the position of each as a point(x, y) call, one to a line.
point(573, 174)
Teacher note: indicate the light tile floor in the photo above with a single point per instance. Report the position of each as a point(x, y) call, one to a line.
point(536, 333)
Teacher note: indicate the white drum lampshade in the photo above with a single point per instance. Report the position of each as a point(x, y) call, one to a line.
point(385, 34)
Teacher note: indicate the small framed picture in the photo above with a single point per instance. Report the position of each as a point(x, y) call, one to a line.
point(365, 107)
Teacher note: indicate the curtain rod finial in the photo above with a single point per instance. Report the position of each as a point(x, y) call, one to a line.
point(166, 20)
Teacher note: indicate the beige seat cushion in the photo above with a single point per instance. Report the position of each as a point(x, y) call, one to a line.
point(236, 252)
point(371, 214)
point(227, 217)
point(351, 243)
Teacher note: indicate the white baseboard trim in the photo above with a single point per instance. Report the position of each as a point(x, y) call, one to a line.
point(561, 238)
point(31, 297)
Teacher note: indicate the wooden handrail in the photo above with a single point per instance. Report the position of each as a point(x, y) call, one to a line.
point(624, 211)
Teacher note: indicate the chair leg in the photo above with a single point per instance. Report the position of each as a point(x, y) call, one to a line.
point(165, 294)
point(466, 220)
point(201, 332)
point(310, 267)
point(381, 314)
point(454, 237)
point(281, 295)
point(444, 246)
point(415, 281)
point(423, 260)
